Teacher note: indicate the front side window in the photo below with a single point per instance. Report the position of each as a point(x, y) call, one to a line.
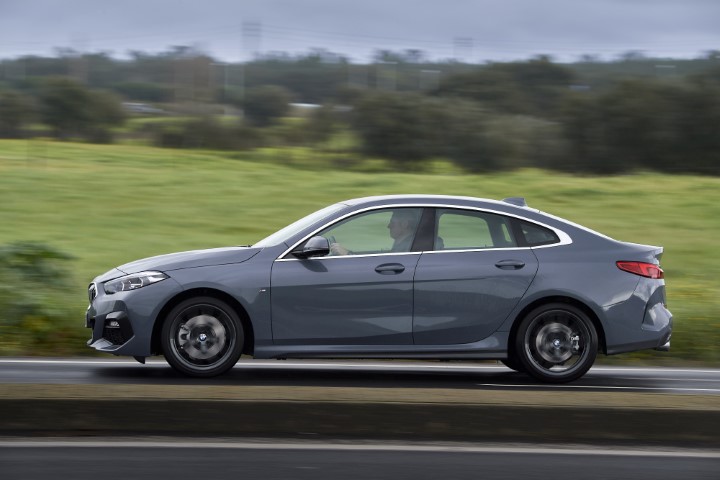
point(379, 231)
point(469, 230)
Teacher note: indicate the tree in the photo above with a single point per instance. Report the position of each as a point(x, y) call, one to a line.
point(106, 112)
point(264, 105)
point(409, 129)
point(70, 110)
point(16, 110)
point(536, 87)
point(645, 125)
point(65, 107)
point(400, 126)
point(466, 138)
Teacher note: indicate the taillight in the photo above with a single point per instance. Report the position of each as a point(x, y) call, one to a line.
point(649, 270)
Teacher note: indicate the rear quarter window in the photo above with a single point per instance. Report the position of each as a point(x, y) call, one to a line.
point(535, 235)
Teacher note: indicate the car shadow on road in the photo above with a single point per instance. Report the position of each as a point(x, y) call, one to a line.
point(269, 376)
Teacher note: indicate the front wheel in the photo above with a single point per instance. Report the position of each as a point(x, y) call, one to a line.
point(202, 337)
point(556, 343)
point(513, 364)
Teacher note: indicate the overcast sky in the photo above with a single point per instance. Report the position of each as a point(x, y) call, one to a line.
point(470, 30)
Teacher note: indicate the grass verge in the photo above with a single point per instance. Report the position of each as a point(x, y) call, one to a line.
point(107, 205)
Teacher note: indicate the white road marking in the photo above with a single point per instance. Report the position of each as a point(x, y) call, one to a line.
point(651, 369)
point(438, 448)
point(75, 362)
point(598, 387)
point(669, 379)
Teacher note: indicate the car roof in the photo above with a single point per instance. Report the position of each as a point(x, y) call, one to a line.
point(421, 198)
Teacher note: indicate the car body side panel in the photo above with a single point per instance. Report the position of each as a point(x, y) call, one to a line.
point(248, 283)
point(463, 297)
point(588, 276)
point(630, 308)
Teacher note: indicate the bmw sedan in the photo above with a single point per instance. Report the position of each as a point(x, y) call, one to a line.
point(397, 277)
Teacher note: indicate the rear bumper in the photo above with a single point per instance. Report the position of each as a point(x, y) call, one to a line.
point(642, 322)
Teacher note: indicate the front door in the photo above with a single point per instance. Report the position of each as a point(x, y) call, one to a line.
point(360, 294)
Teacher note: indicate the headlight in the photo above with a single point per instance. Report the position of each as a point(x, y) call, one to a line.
point(133, 282)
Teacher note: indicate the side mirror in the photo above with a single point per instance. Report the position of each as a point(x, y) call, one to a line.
point(315, 247)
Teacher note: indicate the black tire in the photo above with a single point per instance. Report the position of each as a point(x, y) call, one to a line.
point(556, 343)
point(202, 337)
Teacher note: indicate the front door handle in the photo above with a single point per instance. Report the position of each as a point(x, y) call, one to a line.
point(390, 268)
point(510, 264)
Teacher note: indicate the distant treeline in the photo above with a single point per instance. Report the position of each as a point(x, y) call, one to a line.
point(634, 113)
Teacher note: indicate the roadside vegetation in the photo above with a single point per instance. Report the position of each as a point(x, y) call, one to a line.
point(103, 161)
point(70, 211)
point(592, 117)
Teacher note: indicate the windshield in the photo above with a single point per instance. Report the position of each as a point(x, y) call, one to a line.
point(282, 235)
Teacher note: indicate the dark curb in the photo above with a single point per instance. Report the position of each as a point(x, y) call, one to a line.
point(353, 420)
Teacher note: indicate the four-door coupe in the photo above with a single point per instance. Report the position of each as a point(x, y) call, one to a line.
point(410, 276)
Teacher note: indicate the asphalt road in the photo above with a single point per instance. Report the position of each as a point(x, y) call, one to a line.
point(184, 460)
point(457, 375)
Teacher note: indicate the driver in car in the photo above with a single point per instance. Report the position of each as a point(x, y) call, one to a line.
point(402, 227)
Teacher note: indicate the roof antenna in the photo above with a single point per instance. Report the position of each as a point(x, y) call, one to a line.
point(518, 201)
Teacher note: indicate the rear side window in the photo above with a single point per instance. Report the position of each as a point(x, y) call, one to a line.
point(535, 235)
point(467, 230)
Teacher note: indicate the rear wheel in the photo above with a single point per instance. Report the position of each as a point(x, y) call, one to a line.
point(556, 343)
point(202, 337)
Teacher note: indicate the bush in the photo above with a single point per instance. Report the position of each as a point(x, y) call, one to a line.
point(206, 132)
point(32, 278)
point(263, 106)
point(321, 124)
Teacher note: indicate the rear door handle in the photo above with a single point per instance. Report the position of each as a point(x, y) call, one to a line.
point(390, 268)
point(510, 264)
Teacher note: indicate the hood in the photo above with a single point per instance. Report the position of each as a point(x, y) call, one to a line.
point(191, 259)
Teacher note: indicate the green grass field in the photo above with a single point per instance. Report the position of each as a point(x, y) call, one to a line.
point(107, 205)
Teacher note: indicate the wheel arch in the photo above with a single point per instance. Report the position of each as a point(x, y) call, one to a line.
point(248, 347)
point(559, 299)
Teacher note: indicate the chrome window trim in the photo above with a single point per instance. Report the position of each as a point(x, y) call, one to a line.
point(361, 255)
point(564, 237)
point(485, 249)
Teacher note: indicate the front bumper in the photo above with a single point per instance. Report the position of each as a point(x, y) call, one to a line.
point(122, 323)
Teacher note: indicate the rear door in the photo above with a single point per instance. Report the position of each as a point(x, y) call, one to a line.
point(470, 281)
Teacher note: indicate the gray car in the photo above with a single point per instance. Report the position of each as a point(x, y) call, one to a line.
point(402, 276)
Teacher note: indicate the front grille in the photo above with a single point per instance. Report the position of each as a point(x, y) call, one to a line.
point(92, 292)
point(114, 336)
